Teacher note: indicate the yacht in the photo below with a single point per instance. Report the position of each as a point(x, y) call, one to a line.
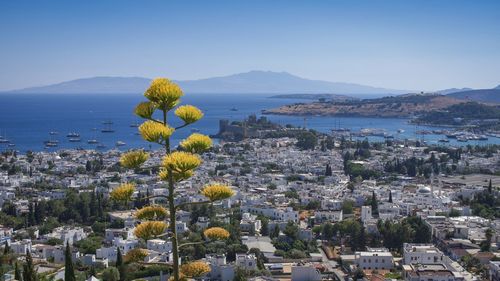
point(120, 143)
point(76, 139)
point(134, 125)
point(73, 135)
point(93, 141)
point(53, 133)
point(443, 140)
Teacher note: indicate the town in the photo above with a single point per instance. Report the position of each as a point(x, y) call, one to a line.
point(307, 206)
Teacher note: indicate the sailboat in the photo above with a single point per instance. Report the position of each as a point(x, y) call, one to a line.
point(107, 128)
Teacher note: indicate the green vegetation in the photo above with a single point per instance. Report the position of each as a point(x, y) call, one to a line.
point(461, 113)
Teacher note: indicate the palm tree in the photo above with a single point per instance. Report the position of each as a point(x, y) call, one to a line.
point(177, 165)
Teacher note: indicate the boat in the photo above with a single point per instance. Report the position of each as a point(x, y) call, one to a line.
point(101, 146)
point(53, 133)
point(107, 122)
point(108, 128)
point(134, 125)
point(11, 145)
point(51, 144)
point(4, 140)
point(234, 109)
point(120, 143)
point(400, 131)
point(483, 138)
point(462, 139)
point(195, 130)
point(93, 141)
point(73, 135)
point(443, 140)
point(75, 140)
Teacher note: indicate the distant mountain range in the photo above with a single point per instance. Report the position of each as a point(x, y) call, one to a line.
point(249, 82)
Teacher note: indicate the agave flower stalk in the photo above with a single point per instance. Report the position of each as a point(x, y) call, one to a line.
point(164, 96)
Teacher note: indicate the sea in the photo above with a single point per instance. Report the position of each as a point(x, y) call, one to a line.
point(26, 120)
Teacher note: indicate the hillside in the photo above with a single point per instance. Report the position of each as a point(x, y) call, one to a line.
point(460, 114)
point(402, 106)
point(327, 97)
point(484, 95)
point(250, 82)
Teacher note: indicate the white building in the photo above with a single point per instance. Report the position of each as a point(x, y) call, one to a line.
point(366, 213)
point(246, 261)
point(494, 270)
point(68, 234)
point(220, 270)
point(21, 247)
point(108, 253)
point(375, 259)
point(422, 253)
point(159, 245)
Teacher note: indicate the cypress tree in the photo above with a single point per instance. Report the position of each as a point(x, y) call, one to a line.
point(6, 248)
point(374, 203)
point(17, 272)
point(69, 270)
point(29, 273)
point(31, 215)
point(120, 265)
point(490, 187)
point(390, 196)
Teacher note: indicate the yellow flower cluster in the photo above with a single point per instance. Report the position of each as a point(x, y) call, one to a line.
point(188, 113)
point(145, 109)
point(136, 255)
point(216, 192)
point(196, 143)
point(133, 159)
point(216, 233)
point(150, 229)
point(164, 93)
point(123, 192)
point(182, 277)
point(176, 175)
point(153, 212)
point(195, 269)
point(155, 132)
point(181, 162)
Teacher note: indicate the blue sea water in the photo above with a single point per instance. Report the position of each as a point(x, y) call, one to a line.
point(27, 119)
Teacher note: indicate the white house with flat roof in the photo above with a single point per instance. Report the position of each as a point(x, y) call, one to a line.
point(374, 259)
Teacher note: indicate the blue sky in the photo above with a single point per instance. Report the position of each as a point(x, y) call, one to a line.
point(415, 45)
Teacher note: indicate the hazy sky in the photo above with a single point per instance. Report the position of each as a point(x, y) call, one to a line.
point(414, 45)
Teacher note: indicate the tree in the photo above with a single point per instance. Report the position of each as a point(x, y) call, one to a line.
point(328, 170)
point(177, 165)
point(29, 273)
point(291, 230)
point(306, 140)
point(69, 270)
point(490, 187)
point(486, 245)
point(17, 272)
point(6, 248)
point(276, 231)
point(390, 196)
point(110, 274)
point(328, 231)
point(374, 203)
point(120, 265)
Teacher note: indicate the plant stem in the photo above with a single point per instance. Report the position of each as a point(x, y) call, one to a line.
point(172, 208)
